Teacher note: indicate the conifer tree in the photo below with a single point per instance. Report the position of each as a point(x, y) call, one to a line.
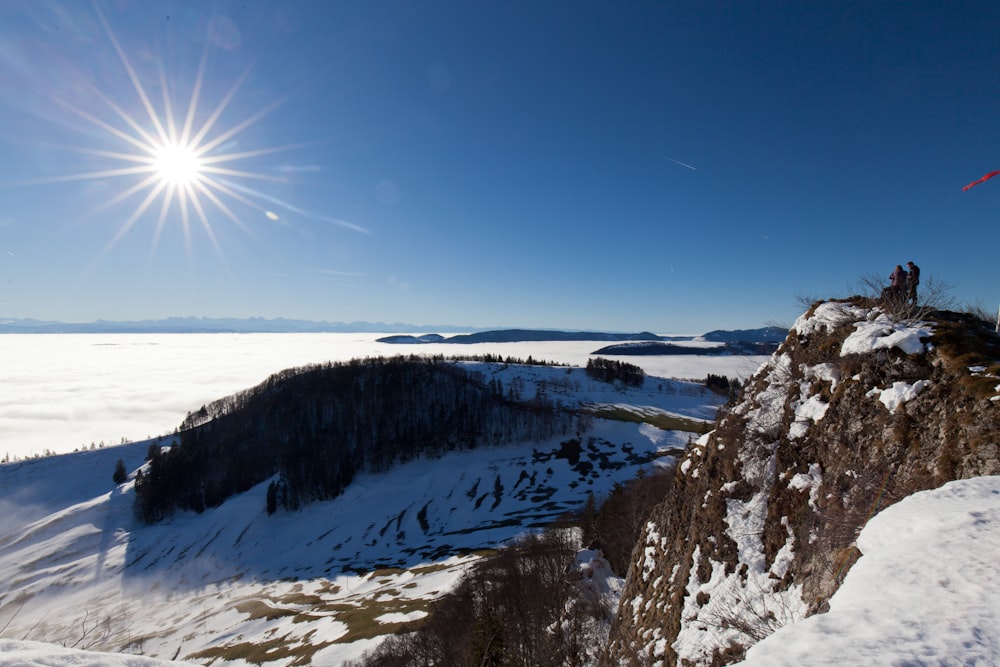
point(120, 474)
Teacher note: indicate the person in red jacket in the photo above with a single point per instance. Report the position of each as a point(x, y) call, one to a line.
point(897, 285)
point(897, 280)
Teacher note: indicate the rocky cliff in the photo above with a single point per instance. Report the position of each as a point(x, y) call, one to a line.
point(856, 410)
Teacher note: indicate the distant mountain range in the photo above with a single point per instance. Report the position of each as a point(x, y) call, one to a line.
point(631, 343)
point(529, 336)
point(216, 325)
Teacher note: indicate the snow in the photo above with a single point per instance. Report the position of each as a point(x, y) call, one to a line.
point(401, 618)
point(874, 329)
point(926, 590)
point(808, 482)
point(899, 393)
point(883, 333)
point(826, 317)
point(39, 654)
point(598, 580)
point(807, 412)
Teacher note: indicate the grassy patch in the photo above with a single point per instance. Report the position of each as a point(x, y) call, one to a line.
point(387, 572)
point(660, 420)
point(362, 622)
point(428, 569)
point(283, 649)
point(302, 599)
point(261, 609)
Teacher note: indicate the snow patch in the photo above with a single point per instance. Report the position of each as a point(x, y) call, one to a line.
point(808, 482)
point(397, 617)
point(827, 317)
point(883, 333)
point(807, 412)
point(899, 393)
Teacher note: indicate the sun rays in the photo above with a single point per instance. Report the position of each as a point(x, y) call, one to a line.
point(174, 162)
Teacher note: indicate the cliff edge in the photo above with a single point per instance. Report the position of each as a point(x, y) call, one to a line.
point(856, 410)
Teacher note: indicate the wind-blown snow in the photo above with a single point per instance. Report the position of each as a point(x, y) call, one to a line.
point(926, 590)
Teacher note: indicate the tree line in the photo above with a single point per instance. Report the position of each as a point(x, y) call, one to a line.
point(528, 604)
point(315, 427)
point(609, 371)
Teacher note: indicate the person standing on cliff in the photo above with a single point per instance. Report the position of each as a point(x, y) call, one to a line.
point(912, 280)
point(897, 282)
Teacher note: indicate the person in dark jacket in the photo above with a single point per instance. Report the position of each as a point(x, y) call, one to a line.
point(912, 280)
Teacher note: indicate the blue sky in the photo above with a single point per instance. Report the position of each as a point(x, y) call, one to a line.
point(663, 166)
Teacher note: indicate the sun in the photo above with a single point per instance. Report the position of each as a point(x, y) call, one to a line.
point(178, 157)
point(177, 164)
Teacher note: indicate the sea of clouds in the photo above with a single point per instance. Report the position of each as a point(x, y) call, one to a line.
point(61, 392)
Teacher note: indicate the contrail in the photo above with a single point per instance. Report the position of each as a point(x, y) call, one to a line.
point(683, 164)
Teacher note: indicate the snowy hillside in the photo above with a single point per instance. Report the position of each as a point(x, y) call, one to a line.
point(321, 584)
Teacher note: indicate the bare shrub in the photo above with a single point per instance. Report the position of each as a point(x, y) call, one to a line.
point(805, 302)
point(752, 610)
point(980, 312)
point(510, 609)
point(932, 295)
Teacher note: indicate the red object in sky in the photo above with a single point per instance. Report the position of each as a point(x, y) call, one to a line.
point(984, 178)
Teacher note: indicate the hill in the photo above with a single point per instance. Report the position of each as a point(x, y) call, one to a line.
point(730, 348)
point(770, 334)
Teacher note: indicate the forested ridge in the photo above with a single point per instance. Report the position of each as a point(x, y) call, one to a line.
point(316, 426)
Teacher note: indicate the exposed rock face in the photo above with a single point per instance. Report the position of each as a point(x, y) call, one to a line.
point(853, 412)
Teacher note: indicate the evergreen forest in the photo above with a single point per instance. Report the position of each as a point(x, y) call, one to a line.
point(313, 428)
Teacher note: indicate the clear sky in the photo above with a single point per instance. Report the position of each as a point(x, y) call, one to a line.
point(663, 166)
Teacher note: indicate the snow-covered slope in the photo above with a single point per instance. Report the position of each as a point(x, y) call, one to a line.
point(15, 653)
point(926, 590)
point(319, 585)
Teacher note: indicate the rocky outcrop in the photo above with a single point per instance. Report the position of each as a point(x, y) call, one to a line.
point(855, 411)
